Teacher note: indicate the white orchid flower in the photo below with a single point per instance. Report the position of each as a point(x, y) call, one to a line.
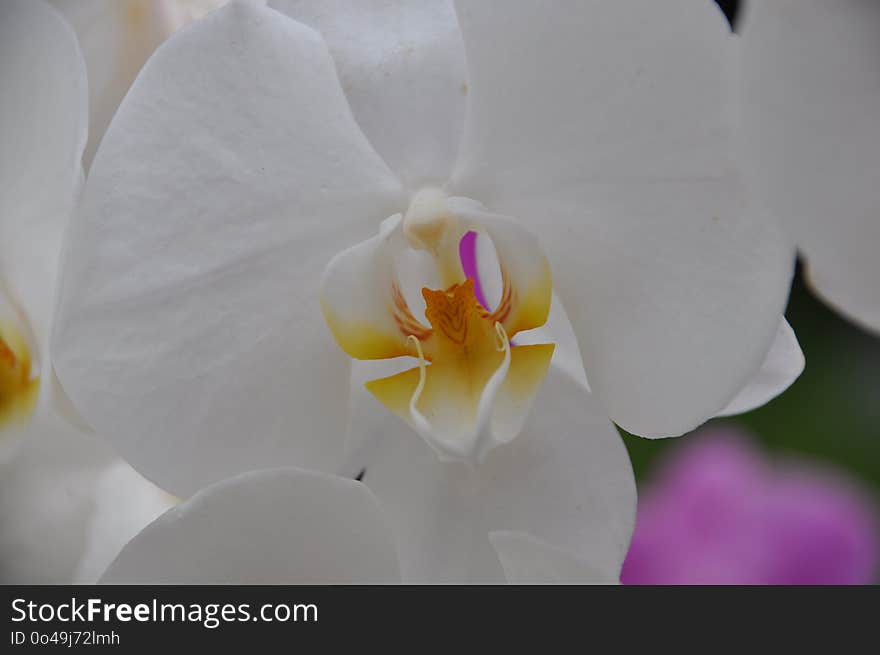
point(271, 185)
point(67, 505)
point(811, 94)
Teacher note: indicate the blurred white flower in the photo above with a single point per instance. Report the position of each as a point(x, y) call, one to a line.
point(51, 493)
point(810, 102)
point(253, 150)
point(67, 507)
point(42, 131)
point(116, 37)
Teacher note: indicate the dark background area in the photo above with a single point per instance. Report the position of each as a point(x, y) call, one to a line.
point(729, 8)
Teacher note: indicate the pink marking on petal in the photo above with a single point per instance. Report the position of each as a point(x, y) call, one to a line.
point(467, 251)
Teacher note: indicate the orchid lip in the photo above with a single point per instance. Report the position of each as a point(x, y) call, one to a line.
point(473, 446)
point(473, 386)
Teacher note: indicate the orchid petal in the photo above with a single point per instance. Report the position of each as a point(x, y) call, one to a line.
point(566, 481)
point(362, 299)
point(810, 100)
point(402, 66)
point(116, 38)
point(124, 503)
point(42, 135)
point(527, 560)
point(280, 526)
point(558, 331)
point(188, 313)
point(433, 505)
point(782, 366)
point(604, 128)
point(67, 506)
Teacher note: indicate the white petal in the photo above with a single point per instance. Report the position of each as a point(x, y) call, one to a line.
point(364, 438)
point(124, 503)
point(43, 127)
point(62, 405)
point(401, 63)
point(45, 503)
point(281, 526)
point(566, 481)
point(199, 8)
point(527, 560)
point(558, 331)
point(116, 38)
point(433, 506)
point(62, 486)
point(189, 328)
point(603, 127)
point(782, 366)
point(811, 97)
point(362, 299)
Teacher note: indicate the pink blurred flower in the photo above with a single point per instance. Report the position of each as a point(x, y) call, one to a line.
point(719, 513)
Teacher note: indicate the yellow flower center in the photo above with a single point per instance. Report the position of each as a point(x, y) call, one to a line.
point(18, 389)
point(472, 388)
point(462, 328)
point(471, 361)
